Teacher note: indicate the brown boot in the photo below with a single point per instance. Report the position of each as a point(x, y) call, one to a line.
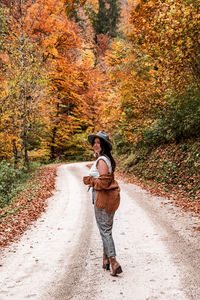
point(106, 263)
point(115, 266)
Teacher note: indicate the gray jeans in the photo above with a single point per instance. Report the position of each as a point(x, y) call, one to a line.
point(105, 224)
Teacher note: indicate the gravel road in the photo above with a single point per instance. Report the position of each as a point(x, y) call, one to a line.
point(60, 256)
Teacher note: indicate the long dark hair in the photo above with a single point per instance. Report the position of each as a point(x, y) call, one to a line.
point(106, 151)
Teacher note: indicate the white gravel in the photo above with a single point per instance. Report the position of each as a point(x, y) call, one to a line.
point(60, 256)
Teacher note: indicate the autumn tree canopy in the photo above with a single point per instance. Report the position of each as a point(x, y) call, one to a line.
point(72, 67)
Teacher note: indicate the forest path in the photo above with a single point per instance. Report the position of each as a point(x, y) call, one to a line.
point(60, 256)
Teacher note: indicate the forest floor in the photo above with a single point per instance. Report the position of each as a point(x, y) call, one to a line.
point(30, 203)
point(60, 255)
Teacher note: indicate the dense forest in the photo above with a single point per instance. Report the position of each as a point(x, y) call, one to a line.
point(131, 68)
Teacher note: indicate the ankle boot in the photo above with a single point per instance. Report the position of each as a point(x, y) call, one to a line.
point(106, 263)
point(115, 266)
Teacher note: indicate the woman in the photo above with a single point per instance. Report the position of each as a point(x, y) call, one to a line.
point(105, 195)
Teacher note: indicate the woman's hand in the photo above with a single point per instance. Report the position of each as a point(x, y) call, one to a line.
point(86, 180)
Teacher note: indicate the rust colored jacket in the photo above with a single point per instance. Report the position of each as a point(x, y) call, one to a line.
point(108, 191)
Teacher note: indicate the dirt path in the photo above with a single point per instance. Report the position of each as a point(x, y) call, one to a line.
point(60, 257)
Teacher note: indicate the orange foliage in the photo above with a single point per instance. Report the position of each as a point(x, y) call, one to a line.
point(70, 71)
point(159, 58)
point(66, 100)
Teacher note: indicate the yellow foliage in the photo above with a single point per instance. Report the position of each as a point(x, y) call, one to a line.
point(94, 4)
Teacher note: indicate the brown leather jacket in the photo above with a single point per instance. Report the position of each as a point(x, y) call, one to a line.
point(108, 191)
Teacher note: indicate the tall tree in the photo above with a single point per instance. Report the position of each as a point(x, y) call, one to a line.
point(114, 16)
point(105, 21)
point(159, 77)
point(69, 70)
point(20, 95)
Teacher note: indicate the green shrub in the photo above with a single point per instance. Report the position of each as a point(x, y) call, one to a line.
point(121, 145)
point(182, 121)
point(9, 180)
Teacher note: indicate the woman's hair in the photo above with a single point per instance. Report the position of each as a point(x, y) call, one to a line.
point(106, 151)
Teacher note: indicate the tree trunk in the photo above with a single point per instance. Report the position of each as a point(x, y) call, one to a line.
point(53, 155)
point(23, 92)
point(53, 139)
point(15, 152)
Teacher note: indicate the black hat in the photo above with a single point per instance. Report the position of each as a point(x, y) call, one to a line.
point(102, 135)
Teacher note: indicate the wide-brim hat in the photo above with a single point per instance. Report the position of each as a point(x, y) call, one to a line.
point(102, 135)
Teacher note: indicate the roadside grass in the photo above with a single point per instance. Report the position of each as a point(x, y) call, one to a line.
point(13, 181)
point(28, 203)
